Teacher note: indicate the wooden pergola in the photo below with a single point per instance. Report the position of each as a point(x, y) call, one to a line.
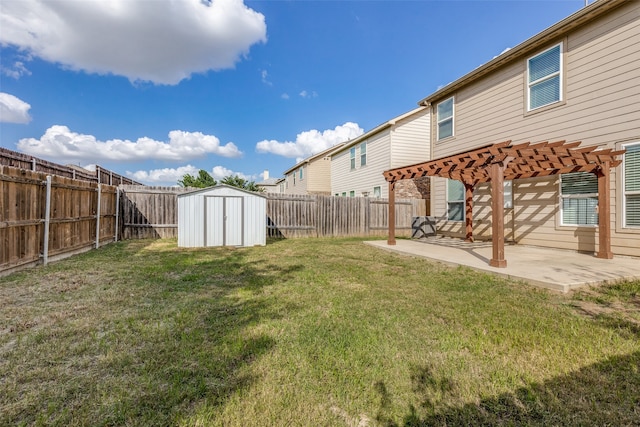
point(504, 161)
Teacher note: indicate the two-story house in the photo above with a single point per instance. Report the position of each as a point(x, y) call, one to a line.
point(577, 81)
point(270, 185)
point(310, 176)
point(357, 166)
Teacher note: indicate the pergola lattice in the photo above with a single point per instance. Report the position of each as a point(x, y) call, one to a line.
point(497, 162)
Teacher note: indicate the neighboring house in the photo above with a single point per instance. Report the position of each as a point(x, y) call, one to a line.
point(310, 176)
point(578, 80)
point(271, 185)
point(357, 166)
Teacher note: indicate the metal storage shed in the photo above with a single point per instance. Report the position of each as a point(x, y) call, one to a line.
point(222, 216)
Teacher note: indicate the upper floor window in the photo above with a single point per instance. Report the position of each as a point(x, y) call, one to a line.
point(445, 118)
point(544, 78)
point(352, 193)
point(294, 178)
point(579, 197)
point(301, 174)
point(376, 192)
point(631, 185)
point(363, 154)
point(455, 200)
point(352, 156)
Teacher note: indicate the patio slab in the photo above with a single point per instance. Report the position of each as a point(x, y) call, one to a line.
point(554, 269)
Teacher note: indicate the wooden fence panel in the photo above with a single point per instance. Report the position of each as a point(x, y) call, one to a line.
point(291, 216)
point(21, 210)
point(73, 213)
point(150, 212)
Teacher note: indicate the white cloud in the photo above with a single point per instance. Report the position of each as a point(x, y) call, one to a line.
point(170, 176)
point(311, 142)
point(163, 176)
point(15, 71)
point(219, 172)
point(13, 109)
point(161, 41)
point(284, 96)
point(60, 144)
point(265, 78)
point(308, 94)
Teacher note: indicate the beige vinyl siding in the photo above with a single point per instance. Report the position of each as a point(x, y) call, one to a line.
point(318, 176)
point(601, 89)
point(410, 140)
point(300, 187)
point(363, 178)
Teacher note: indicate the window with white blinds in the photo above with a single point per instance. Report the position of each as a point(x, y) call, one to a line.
point(579, 198)
point(631, 185)
point(545, 78)
point(455, 200)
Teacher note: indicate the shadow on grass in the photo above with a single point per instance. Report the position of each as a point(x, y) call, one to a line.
point(605, 393)
point(170, 333)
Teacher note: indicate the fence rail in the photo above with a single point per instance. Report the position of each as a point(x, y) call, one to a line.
point(43, 217)
point(24, 161)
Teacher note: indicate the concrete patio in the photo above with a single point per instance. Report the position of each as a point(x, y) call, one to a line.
point(548, 268)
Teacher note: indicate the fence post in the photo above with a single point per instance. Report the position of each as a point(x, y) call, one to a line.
point(98, 218)
point(117, 212)
point(47, 221)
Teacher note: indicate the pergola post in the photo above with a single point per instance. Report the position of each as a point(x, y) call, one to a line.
point(604, 212)
point(468, 214)
point(391, 240)
point(497, 216)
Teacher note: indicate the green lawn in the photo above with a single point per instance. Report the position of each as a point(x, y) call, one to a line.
point(307, 332)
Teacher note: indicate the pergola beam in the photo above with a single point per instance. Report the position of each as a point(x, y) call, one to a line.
point(497, 162)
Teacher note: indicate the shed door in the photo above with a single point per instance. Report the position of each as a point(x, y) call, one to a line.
point(223, 221)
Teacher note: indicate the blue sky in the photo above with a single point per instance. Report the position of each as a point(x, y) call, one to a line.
point(154, 89)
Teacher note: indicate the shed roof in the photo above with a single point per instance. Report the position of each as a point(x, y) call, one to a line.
point(581, 17)
point(204, 190)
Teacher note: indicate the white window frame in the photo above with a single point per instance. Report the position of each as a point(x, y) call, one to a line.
point(363, 154)
point(464, 213)
point(558, 73)
point(377, 192)
point(352, 193)
point(575, 196)
point(440, 120)
point(626, 193)
point(352, 157)
point(301, 174)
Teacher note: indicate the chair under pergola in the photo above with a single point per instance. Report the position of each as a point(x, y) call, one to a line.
point(496, 163)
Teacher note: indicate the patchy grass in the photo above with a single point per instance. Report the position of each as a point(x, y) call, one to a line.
point(307, 332)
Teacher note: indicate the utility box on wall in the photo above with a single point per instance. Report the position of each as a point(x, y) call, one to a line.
point(222, 216)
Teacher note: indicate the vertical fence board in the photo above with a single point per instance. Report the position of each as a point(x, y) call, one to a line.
point(72, 224)
point(290, 216)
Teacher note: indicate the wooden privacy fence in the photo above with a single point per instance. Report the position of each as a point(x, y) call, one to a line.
point(25, 161)
point(44, 217)
point(150, 212)
point(291, 216)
